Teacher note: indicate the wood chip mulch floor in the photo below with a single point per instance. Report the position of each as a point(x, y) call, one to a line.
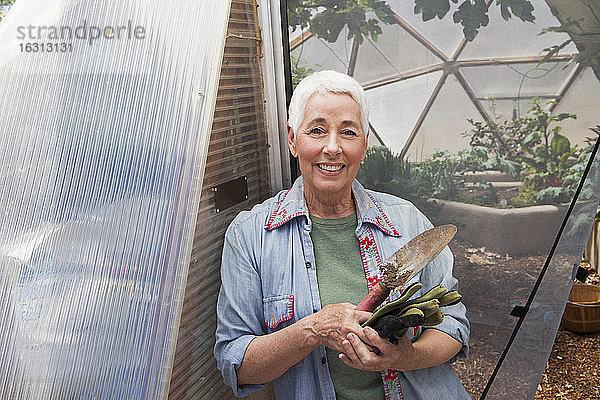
point(573, 369)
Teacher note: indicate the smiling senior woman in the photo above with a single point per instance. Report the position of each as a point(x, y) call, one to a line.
point(295, 266)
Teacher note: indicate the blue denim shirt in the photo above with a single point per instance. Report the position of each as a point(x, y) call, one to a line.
point(269, 281)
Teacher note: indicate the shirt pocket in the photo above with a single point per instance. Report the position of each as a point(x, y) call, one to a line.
point(278, 309)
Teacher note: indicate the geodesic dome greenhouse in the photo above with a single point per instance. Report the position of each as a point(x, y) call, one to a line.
point(431, 92)
point(425, 79)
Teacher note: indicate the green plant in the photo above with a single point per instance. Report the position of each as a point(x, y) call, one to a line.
point(443, 176)
point(299, 70)
point(546, 156)
point(386, 172)
point(446, 168)
point(532, 148)
point(451, 178)
point(500, 141)
point(327, 18)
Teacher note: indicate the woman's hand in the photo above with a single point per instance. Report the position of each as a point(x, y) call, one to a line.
point(332, 324)
point(433, 348)
point(269, 356)
point(356, 353)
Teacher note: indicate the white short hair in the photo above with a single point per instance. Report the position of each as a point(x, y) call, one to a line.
point(324, 82)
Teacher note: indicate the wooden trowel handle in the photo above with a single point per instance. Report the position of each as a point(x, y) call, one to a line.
point(374, 297)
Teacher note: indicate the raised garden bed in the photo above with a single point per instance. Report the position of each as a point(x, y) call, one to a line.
point(517, 231)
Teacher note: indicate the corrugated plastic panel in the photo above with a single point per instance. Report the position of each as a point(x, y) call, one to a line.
point(238, 147)
point(105, 110)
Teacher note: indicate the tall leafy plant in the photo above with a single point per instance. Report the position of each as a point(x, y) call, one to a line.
point(532, 148)
point(574, 173)
point(499, 142)
point(448, 171)
point(546, 156)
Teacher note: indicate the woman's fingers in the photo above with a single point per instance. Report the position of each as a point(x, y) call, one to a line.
point(350, 352)
point(371, 348)
point(347, 361)
point(373, 338)
point(361, 350)
point(357, 352)
point(358, 355)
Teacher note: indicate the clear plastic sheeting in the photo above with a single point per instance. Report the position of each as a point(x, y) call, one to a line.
point(505, 109)
point(321, 54)
point(526, 359)
point(388, 55)
point(102, 149)
point(433, 134)
point(519, 80)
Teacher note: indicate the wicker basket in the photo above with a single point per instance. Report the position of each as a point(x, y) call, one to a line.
point(582, 313)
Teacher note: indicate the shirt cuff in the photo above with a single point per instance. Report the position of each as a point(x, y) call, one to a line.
point(456, 330)
point(234, 355)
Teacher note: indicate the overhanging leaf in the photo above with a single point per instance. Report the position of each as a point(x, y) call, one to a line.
point(471, 16)
point(522, 9)
point(553, 50)
point(431, 8)
point(327, 25)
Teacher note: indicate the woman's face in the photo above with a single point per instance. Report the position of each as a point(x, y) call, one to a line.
point(330, 145)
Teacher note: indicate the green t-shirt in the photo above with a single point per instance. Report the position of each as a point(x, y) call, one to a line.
point(341, 278)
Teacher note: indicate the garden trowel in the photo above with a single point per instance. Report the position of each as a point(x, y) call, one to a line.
point(406, 262)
